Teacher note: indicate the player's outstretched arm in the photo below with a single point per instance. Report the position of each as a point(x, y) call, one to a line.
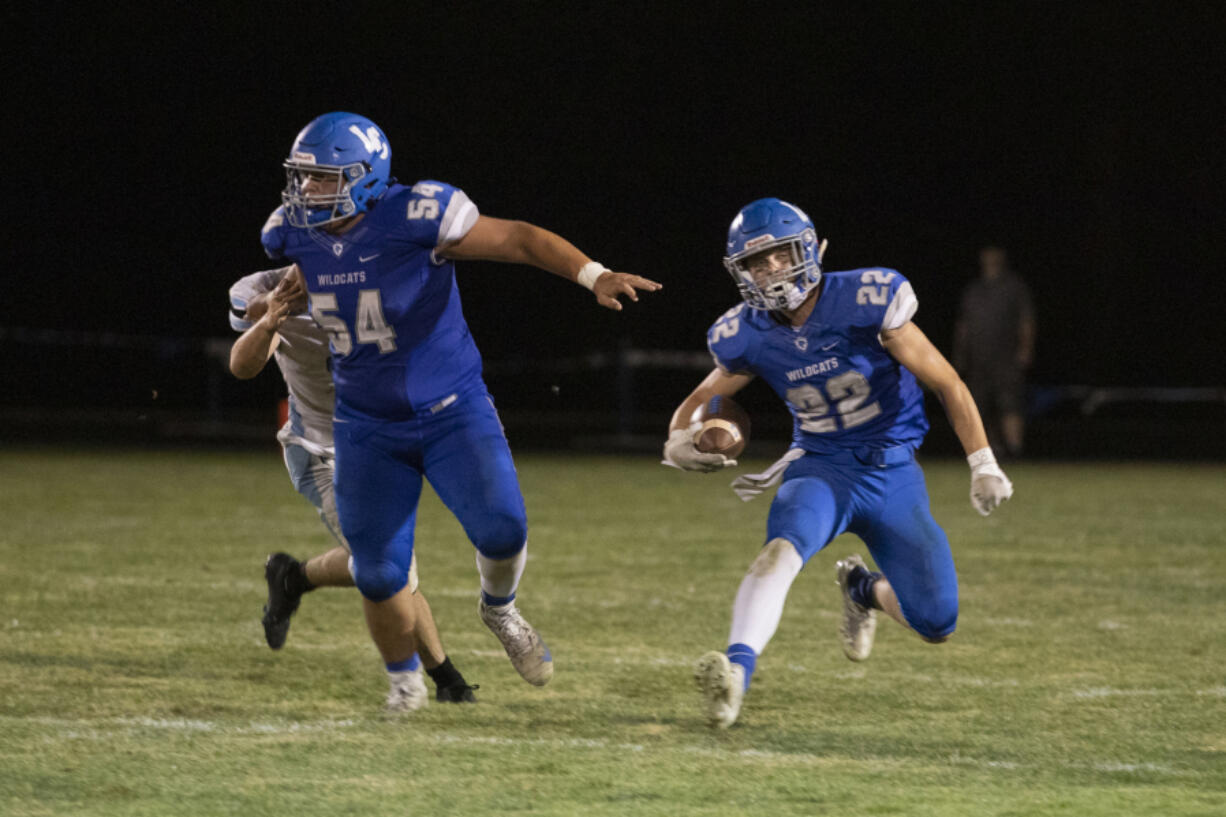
point(679, 450)
point(518, 242)
point(269, 310)
point(911, 347)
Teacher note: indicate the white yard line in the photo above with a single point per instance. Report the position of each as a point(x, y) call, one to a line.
point(1111, 692)
point(958, 760)
point(184, 725)
point(106, 728)
point(622, 656)
point(657, 661)
point(1007, 622)
point(552, 743)
point(1116, 766)
point(120, 580)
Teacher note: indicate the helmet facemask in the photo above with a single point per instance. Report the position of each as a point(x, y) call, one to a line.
point(767, 285)
point(317, 209)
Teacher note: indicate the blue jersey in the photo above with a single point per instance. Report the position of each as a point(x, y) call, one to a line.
point(843, 389)
point(399, 341)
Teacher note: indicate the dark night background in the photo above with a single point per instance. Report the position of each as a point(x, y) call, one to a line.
point(1084, 137)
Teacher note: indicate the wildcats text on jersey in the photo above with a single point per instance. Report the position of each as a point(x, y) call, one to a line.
point(325, 279)
point(827, 365)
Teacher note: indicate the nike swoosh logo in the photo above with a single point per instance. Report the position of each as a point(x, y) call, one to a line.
point(831, 346)
point(362, 259)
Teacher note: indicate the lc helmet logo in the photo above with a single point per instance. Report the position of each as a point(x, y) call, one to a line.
point(372, 140)
point(339, 166)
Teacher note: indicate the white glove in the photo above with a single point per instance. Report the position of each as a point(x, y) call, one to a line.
point(989, 485)
point(680, 452)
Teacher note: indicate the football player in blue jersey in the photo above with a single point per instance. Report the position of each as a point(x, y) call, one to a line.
point(841, 350)
point(268, 307)
point(377, 259)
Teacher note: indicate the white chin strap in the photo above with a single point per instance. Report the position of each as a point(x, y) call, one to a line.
point(793, 297)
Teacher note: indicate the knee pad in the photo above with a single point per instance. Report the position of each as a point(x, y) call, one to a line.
point(935, 625)
point(378, 580)
point(413, 581)
point(777, 556)
point(500, 535)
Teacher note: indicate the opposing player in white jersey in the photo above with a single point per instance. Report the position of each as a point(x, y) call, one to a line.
point(268, 308)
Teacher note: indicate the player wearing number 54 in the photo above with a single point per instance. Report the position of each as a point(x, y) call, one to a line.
point(378, 259)
point(841, 350)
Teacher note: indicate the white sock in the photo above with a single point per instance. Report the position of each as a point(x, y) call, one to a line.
point(500, 577)
point(759, 601)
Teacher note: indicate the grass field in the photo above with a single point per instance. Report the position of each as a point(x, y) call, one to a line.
point(1087, 677)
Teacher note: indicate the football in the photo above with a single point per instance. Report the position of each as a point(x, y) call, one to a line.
point(724, 427)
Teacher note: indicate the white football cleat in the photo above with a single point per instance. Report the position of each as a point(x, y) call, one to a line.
point(859, 623)
point(722, 686)
point(407, 693)
point(527, 650)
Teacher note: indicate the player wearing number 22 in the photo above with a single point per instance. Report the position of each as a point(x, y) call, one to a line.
point(377, 259)
point(841, 349)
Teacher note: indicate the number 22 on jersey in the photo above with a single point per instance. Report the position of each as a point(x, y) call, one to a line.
point(369, 324)
point(729, 324)
point(848, 391)
point(877, 290)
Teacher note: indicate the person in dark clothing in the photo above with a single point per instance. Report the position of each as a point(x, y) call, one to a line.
point(994, 346)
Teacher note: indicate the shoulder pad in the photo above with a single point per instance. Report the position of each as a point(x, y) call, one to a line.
point(429, 213)
point(879, 297)
point(730, 339)
point(272, 235)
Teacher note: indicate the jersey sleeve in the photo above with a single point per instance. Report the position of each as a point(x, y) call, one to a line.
point(272, 236)
point(435, 214)
point(245, 289)
point(730, 342)
point(902, 303)
point(459, 217)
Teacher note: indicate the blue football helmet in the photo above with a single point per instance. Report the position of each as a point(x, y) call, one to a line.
point(765, 225)
point(352, 158)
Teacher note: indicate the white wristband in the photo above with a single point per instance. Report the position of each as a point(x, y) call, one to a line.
point(589, 272)
point(983, 456)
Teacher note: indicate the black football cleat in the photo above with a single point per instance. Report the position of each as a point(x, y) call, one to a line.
point(458, 693)
point(285, 590)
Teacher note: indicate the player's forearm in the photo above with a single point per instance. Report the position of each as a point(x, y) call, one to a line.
point(251, 351)
point(717, 382)
point(963, 416)
point(681, 417)
point(548, 251)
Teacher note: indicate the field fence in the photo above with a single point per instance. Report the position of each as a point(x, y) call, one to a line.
point(74, 384)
